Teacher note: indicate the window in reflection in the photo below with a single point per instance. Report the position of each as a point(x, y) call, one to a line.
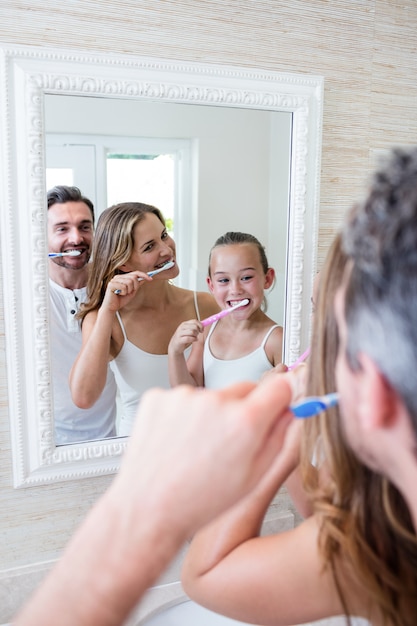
point(152, 178)
point(59, 176)
point(113, 169)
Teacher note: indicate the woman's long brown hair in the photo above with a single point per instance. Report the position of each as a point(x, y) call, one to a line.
point(364, 519)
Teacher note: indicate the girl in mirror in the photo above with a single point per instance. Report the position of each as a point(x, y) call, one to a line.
point(356, 555)
point(129, 317)
point(242, 345)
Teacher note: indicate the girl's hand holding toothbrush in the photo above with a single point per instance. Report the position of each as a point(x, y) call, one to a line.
point(186, 334)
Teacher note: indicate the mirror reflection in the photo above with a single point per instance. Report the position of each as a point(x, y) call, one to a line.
point(215, 169)
point(70, 231)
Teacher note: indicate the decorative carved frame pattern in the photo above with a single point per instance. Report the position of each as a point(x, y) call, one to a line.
point(27, 73)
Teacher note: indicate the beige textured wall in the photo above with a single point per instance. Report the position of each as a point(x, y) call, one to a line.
point(366, 51)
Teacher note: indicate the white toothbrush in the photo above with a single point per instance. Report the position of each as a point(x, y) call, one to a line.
point(218, 316)
point(167, 266)
point(70, 253)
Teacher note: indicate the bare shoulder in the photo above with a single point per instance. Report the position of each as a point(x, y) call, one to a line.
point(278, 331)
point(274, 345)
point(280, 568)
point(89, 321)
point(311, 578)
point(185, 300)
point(207, 305)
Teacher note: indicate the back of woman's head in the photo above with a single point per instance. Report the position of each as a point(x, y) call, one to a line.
point(363, 518)
point(112, 247)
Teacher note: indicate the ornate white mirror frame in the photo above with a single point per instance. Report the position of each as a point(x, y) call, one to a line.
point(27, 74)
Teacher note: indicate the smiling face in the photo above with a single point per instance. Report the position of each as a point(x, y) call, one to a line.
point(236, 273)
point(153, 248)
point(70, 227)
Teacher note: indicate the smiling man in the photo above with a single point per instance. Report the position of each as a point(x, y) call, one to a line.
point(71, 228)
point(376, 309)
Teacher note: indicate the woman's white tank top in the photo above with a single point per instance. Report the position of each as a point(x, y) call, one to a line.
point(135, 372)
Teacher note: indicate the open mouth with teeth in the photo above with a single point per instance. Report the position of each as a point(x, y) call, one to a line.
point(161, 268)
point(238, 303)
point(161, 265)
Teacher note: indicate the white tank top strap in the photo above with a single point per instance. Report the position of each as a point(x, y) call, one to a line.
point(196, 306)
point(267, 335)
point(121, 325)
point(212, 327)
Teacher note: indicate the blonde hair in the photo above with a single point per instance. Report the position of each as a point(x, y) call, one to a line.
point(364, 520)
point(112, 247)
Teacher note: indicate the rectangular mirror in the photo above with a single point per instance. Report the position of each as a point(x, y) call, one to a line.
point(34, 78)
point(209, 169)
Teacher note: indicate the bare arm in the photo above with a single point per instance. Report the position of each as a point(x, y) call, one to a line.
point(274, 346)
point(294, 483)
point(300, 498)
point(89, 371)
point(183, 444)
point(232, 570)
point(181, 370)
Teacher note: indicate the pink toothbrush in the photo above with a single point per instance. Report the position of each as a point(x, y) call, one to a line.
point(300, 359)
point(218, 316)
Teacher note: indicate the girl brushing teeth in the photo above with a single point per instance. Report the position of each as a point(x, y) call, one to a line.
point(241, 344)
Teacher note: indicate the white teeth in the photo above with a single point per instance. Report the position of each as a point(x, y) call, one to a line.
point(236, 302)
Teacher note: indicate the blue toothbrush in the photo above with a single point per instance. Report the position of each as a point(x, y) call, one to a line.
point(308, 407)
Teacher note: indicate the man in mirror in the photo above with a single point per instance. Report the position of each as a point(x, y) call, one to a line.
point(70, 236)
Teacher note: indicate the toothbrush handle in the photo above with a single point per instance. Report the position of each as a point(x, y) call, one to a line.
point(153, 273)
point(215, 317)
point(300, 359)
point(161, 269)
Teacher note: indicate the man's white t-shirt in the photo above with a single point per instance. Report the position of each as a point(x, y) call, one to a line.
point(73, 424)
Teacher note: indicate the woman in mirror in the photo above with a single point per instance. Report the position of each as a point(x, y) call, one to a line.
point(130, 316)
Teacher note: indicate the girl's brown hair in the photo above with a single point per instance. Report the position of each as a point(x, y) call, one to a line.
point(235, 237)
